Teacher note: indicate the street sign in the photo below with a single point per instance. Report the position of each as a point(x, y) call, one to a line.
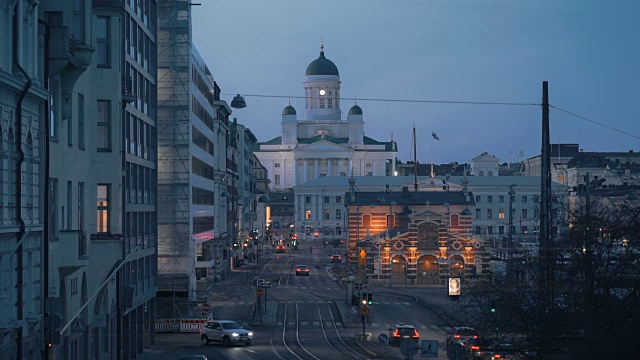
point(429, 348)
point(77, 326)
point(354, 310)
point(383, 338)
point(409, 348)
point(259, 292)
point(364, 310)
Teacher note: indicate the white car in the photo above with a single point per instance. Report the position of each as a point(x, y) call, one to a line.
point(226, 332)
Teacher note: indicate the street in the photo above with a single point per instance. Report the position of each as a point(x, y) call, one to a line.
point(308, 317)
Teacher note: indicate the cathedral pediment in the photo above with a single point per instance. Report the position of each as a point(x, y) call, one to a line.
point(322, 146)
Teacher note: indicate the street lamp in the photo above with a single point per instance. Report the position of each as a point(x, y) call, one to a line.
point(265, 200)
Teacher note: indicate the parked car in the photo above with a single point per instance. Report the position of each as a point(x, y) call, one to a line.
point(302, 270)
point(226, 332)
point(402, 332)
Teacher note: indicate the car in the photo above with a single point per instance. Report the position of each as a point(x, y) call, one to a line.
point(475, 348)
point(281, 248)
point(336, 258)
point(192, 357)
point(502, 351)
point(302, 270)
point(460, 334)
point(402, 332)
point(336, 242)
point(227, 332)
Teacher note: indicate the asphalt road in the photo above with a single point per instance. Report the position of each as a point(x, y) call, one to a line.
point(302, 320)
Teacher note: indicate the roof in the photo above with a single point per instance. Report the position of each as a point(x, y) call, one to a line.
point(388, 145)
point(408, 198)
point(392, 181)
point(289, 110)
point(322, 66)
point(355, 110)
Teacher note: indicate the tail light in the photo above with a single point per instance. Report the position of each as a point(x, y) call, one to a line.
point(396, 333)
point(475, 336)
point(475, 347)
point(456, 336)
point(415, 334)
point(200, 329)
point(497, 356)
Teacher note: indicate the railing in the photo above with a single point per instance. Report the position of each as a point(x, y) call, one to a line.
point(82, 243)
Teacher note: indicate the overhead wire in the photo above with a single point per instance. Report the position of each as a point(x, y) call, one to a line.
point(595, 122)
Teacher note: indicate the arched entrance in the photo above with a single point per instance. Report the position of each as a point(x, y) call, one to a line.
point(457, 266)
point(428, 270)
point(398, 270)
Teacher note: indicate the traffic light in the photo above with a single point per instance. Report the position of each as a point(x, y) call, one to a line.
point(363, 299)
point(369, 298)
point(493, 307)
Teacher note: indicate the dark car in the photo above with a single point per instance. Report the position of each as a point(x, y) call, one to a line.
point(476, 348)
point(403, 332)
point(302, 270)
point(336, 258)
point(502, 351)
point(460, 334)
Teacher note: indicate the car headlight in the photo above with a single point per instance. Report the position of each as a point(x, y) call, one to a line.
point(234, 334)
point(250, 334)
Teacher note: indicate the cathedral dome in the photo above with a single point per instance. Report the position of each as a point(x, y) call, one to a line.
point(322, 66)
point(289, 110)
point(355, 110)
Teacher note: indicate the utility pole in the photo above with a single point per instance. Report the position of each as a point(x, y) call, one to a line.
point(545, 252)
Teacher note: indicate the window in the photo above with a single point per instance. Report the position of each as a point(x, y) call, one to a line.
point(525, 230)
point(103, 208)
point(326, 199)
point(307, 214)
point(202, 224)
point(329, 103)
point(201, 168)
point(478, 213)
point(490, 230)
point(80, 122)
point(536, 199)
point(201, 196)
point(369, 173)
point(102, 37)
point(338, 214)
point(104, 131)
point(536, 213)
point(368, 165)
point(524, 199)
point(69, 221)
point(501, 230)
point(366, 221)
point(276, 165)
point(524, 214)
point(501, 198)
point(307, 199)
point(53, 130)
point(338, 230)
point(477, 230)
point(477, 198)
point(338, 199)
point(489, 213)
point(322, 103)
point(481, 173)
point(78, 20)
point(500, 213)
point(199, 139)
point(327, 214)
point(81, 206)
point(489, 198)
point(276, 179)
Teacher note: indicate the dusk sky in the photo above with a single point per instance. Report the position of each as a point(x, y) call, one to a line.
point(452, 50)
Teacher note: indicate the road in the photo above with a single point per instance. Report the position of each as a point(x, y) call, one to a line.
point(306, 317)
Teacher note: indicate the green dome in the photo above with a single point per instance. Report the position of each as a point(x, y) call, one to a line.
point(355, 110)
point(322, 66)
point(289, 110)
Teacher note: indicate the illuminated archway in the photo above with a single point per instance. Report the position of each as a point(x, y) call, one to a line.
point(428, 270)
point(398, 270)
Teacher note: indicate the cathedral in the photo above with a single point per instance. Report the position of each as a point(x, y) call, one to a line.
point(321, 142)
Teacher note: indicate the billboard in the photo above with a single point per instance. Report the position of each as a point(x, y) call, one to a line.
point(454, 286)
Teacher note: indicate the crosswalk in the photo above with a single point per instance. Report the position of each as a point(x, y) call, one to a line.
point(310, 323)
point(230, 302)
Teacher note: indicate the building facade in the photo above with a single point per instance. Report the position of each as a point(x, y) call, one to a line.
point(322, 143)
point(23, 96)
point(192, 178)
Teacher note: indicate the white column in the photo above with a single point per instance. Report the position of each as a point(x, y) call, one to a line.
point(295, 171)
point(317, 162)
point(329, 165)
point(393, 166)
point(350, 167)
point(283, 180)
point(318, 201)
point(306, 169)
point(339, 166)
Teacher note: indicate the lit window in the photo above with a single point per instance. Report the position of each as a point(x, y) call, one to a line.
point(103, 208)
point(307, 215)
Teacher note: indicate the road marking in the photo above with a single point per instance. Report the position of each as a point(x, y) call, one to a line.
point(279, 323)
point(291, 323)
point(338, 324)
point(423, 327)
point(406, 303)
point(386, 303)
point(303, 323)
point(310, 302)
point(374, 324)
point(447, 328)
point(434, 327)
point(316, 323)
point(328, 323)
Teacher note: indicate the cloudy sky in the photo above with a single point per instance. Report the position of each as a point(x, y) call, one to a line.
point(451, 50)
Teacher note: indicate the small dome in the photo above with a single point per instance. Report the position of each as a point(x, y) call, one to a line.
point(355, 110)
point(466, 212)
point(289, 110)
point(322, 66)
